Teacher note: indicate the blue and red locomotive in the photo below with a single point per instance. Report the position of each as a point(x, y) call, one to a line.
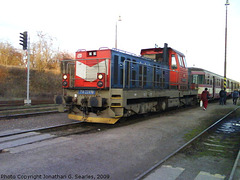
point(104, 85)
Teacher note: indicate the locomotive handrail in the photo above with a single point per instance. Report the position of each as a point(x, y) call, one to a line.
point(81, 50)
point(126, 52)
point(65, 60)
point(103, 48)
point(132, 54)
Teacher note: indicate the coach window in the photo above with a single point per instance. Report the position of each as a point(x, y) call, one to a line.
point(174, 62)
point(195, 79)
point(201, 79)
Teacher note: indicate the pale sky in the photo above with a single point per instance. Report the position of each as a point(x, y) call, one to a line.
point(193, 27)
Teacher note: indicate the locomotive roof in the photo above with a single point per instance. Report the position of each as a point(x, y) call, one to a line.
point(132, 54)
point(160, 49)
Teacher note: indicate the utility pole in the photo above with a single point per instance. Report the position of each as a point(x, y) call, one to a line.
point(225, 59)
point(119, 19)
point(25, 42)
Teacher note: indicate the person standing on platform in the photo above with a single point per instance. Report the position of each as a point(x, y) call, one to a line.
point(235, 96)
point(222, 95)
point(204, 98)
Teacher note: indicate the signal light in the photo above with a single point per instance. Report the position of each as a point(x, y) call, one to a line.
point(24, 39)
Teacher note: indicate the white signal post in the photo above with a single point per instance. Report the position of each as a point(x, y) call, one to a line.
point(28, 100)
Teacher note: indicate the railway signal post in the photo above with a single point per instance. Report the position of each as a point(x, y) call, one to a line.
point(25, 42)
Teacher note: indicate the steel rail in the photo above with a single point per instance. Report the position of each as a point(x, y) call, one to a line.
point(15, 108)
point(27, 114)
point(147, 172)
point(35, 130)
point(233, 172)
point(39, 129)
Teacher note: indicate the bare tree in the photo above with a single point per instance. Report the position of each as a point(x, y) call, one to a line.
point(42, 52)
point(9, 55)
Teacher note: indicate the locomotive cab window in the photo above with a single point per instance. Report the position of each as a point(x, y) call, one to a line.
point(185, 62)
point(180, 61)
point(174, 62)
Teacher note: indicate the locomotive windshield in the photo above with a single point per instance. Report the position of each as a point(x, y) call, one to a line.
point(174, 62)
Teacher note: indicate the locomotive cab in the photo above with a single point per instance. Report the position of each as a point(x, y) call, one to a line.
point(178, 70)
point(176, 62)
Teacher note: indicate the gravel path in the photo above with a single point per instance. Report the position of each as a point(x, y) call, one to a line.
point(119, 153)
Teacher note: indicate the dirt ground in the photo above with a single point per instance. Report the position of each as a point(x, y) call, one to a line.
point(122, 152)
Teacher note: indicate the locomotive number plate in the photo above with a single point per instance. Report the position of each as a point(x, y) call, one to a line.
point(91, 92)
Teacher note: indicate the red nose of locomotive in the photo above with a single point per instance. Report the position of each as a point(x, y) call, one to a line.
point(92, 69)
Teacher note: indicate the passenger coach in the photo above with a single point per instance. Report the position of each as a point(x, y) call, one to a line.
point(201, 79)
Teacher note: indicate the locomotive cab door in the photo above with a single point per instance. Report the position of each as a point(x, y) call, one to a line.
point(183, 73)
point(178, 72)
point(174, 69)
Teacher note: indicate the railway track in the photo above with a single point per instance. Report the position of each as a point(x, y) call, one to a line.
point(25, 111)
point(12, 141)
point(10, 103)
point(215, 149)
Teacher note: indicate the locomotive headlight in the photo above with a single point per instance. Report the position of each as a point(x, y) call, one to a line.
point(100, 76)
point(99, 83)
point(64, 83)
point(64, 76)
